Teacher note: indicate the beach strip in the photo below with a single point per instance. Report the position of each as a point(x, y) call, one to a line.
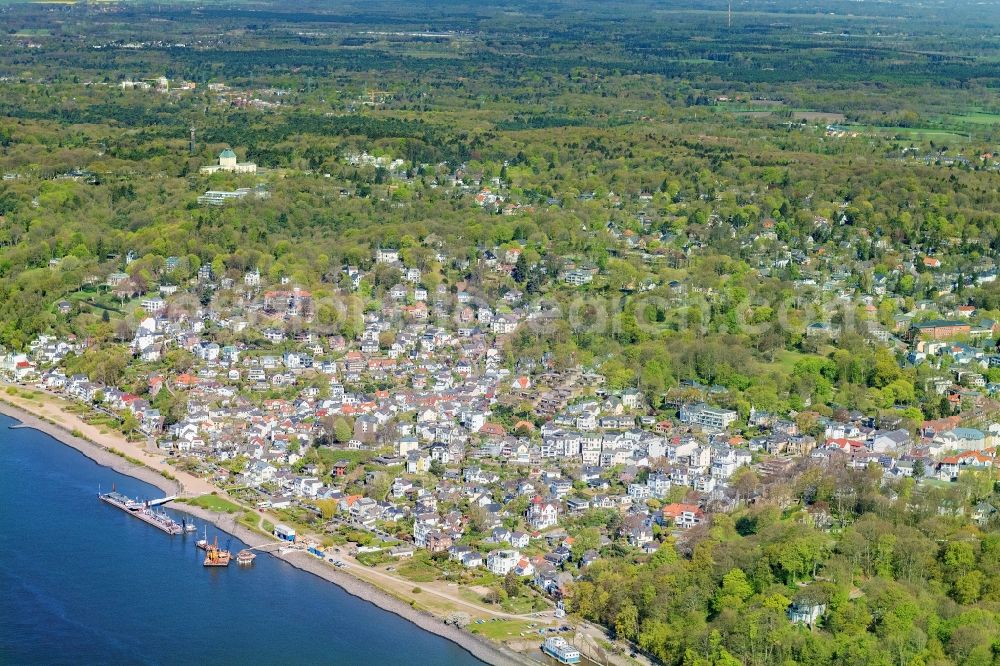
point(481, 648)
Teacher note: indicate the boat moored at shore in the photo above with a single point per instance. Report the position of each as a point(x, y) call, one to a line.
point(202, 543)
point(142, 511)
point(217, 557)
point(561, 651)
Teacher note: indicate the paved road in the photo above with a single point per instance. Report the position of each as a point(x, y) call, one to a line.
point(402, 584)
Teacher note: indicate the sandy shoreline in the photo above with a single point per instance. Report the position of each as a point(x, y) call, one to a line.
point(95, 452)
point(481, 648)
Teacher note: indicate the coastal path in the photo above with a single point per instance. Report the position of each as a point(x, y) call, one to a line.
point(55, 409)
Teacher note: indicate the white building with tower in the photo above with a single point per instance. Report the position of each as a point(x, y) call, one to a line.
point(227, 162)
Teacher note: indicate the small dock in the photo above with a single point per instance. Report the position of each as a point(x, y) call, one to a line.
point(142, 511)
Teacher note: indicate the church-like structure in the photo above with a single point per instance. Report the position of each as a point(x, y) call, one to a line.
point(227, 162)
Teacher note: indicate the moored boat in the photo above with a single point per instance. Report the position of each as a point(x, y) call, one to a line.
point(245, 557)
point(215, 556)
point(142, 511)
point(561, 651)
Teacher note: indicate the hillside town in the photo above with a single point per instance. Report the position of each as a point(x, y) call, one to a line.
point(518, 333)
point(420, 431)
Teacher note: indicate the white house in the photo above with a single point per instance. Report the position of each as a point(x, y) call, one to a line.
point(385, 255)
point(542, 514)
point(966, 439)
point(707, 417)
point(502, 562)
point(892, 440)
point(154, 304)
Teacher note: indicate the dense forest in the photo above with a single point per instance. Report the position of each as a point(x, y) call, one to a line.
point(902, 579)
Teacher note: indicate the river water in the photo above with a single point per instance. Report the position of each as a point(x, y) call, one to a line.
point(81, 582)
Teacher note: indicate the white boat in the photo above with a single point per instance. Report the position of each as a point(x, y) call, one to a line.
point(561, 651)
point(190, 527)
point(203, 542)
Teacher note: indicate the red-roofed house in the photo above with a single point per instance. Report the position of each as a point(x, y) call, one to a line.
point(521, 383)
point(23, 369)
point(684, 516)
point(965, 310)
point(542, 514)
point(848, 446)
point(493, 429)
point(186, 381)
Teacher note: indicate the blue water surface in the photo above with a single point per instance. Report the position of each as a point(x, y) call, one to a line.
point(84, 583)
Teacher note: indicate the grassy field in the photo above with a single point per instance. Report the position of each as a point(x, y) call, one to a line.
point(502, 630)
point(215, 503)
point(418, 571)
point(523, 604)
point(331, 456)
point(786, 359)
point(470, 595)
point(103, 300)
point(912, 133)
point(24, 393)
point(976, 118)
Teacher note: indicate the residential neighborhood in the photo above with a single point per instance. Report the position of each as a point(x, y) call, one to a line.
point(419, 431)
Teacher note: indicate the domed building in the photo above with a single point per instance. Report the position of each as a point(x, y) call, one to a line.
point(227, 162)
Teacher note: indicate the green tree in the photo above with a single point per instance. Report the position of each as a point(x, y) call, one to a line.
point(735, 590)
point(968, 587)
point(342, 430)
point(627, 621)
point(511, 584)
point(130, 424)
point(586, 539)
